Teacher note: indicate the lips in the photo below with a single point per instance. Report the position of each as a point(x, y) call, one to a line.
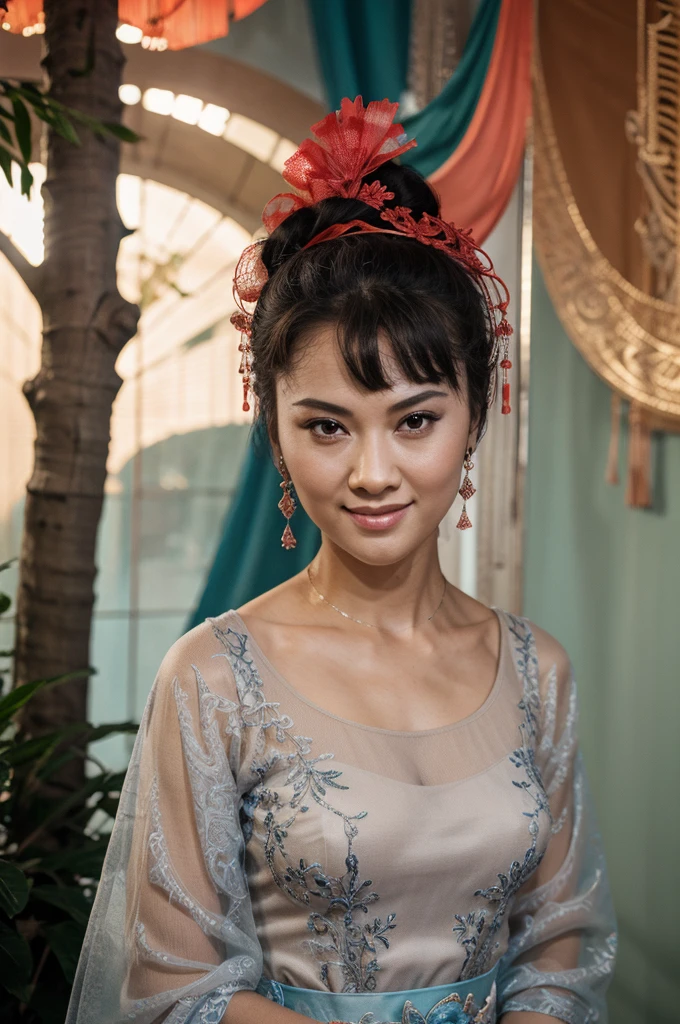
point(378, 518)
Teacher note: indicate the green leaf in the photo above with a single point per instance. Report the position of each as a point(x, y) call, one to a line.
point(6, 164)
point(22, 127)
point(14, 888)
point(48, 1003)
point(121, 131)
point(5, 602)
point(26, 181)
point(86, 861)
point(68, 898)
point(4, 133)
point(21, 990)
point(16, 962)
point(99, 732)
point(31, 87)
point(104, 783)
point(108, 805)
point(18, 752)
point(19, 696)
point(63, 127)
point(6, 565)
point(66, 940)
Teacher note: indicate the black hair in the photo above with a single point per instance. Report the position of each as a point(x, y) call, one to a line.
point(423, 301)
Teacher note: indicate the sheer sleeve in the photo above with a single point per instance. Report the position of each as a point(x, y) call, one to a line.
point(171, 935)
point(562, 927)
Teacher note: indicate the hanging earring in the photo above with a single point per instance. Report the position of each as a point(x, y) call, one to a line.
point(287, 506)
point(466, 491)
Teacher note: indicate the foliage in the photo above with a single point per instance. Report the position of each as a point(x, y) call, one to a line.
point(52, 847)
point(17, 100)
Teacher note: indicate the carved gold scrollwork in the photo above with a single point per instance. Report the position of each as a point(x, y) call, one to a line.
point(653, 128)
point(629, 338)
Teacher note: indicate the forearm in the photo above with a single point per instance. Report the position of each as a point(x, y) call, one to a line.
point(251, 1008)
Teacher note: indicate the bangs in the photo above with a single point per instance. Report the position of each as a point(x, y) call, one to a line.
point(415, 331)
point(398, 309)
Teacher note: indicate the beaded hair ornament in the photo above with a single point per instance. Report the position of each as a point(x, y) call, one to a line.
point(348, 145)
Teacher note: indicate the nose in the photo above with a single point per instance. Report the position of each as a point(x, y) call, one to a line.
point(374, 467)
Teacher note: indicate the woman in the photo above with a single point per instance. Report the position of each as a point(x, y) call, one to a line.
point(358, 797)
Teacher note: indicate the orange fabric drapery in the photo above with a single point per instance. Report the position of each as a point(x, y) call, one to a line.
point(476, 182)
point(182, 22)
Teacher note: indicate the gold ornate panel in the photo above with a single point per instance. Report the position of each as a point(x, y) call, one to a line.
point(629, 338)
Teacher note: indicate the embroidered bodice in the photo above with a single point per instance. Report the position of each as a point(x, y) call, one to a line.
point(262, 835)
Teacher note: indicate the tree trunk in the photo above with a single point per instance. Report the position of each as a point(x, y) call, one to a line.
point(86, 322)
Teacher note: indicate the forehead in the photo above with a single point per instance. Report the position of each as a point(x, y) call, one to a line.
point(318, 369)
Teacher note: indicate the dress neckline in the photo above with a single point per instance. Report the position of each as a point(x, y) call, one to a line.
point(412, 733)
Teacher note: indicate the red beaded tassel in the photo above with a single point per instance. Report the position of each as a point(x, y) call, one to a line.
point(245, 370)
point(243, 322)
point(504, 330)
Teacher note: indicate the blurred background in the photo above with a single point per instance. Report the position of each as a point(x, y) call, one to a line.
point(551, 129)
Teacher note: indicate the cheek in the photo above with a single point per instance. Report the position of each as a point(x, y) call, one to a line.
point(434, 479)
point(319, 473)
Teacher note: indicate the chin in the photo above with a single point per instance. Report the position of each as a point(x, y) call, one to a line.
point(386, 549)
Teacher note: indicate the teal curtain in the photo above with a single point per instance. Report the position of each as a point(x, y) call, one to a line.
point(249, 558)
point(442, 124)
point(363, 50)
point(603, 578)
point(362, 47)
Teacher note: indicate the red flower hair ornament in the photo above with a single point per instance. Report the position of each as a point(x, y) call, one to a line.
point(348, 145)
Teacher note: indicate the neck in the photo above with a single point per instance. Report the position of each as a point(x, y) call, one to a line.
point(396, 598)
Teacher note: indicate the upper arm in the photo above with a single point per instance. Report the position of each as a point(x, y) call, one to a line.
point(186, 882)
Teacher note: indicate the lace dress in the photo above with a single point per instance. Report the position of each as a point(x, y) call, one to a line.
point(263, 842)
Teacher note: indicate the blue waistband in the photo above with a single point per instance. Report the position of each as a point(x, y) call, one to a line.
point(462, 1002)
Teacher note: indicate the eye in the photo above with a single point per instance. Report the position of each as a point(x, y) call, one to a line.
point(324, 428)
point(418, 422)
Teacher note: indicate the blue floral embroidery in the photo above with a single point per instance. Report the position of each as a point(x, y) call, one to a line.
point(450, 1010)
point(339, 940)
point(480, 942)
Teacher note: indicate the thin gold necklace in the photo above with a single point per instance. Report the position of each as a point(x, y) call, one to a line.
point(362, 622)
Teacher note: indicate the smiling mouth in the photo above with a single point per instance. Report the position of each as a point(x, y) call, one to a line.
point(378, 518)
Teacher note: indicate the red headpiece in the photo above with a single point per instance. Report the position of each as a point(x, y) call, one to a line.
point(348, 145)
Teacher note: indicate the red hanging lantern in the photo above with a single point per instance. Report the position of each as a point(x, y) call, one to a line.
point(23, 16)
point(185, 22)
point(181, 23)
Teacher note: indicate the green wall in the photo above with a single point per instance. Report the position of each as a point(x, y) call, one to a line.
point(605, 580)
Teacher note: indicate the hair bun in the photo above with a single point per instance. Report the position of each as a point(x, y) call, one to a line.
point(409, 187)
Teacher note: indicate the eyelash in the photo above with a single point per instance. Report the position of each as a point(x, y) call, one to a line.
point(428, 416)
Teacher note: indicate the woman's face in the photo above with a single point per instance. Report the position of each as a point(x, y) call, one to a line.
point(376, 471)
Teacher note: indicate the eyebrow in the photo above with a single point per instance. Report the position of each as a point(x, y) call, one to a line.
point(339, 410)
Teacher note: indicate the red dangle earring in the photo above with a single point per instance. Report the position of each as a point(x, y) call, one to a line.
point(466, 491)
point(287, 506)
